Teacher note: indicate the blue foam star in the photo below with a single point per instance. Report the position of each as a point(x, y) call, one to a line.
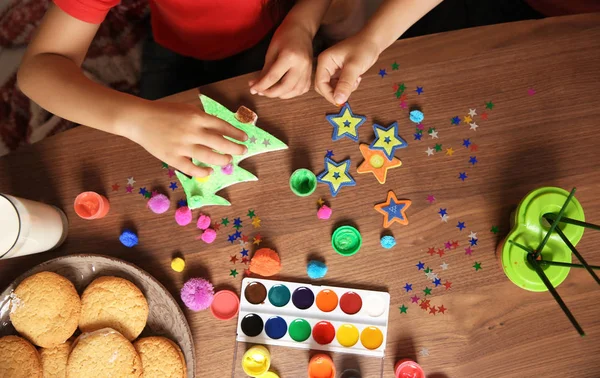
point(244, 252)
point(237, 234)
point(460, 225)
point(408, 287)
point(382, 72)
point(455, 120)
point(394, 210)
point(332, 186)
point(466, 143)
point(473, 242)
point(420, 265)
point(463, 176)
point(419, 90)
point(442, 212)
point(418, 136)
point(437, 282)
point(473, 160)
point(143, 191)
point(329, 154)
point(181, 203)
point(173, 185)
point(353, 132)
point(231, 238)
point(237, 222)
point(388, 150)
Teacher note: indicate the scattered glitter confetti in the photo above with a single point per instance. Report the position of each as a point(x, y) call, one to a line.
point(403, 309)
point(173, 185)
point(442, 309)
point(129, 189)
point(438, 147)
point(329, 154)
point(433, 134)
point(467, 119)
point(449, 151)
point(473, 242)
point(115, 187)
point(474, 148)
point(474, 126)
point(171, 173)
point(224, 221)
point(320, 202)
point(256, 222)
point(419, 90)
point(165, 165)
point(430, 151)
point(432, 310)
point(250, 214)
point(237, 223)
point(489, 105)
point(233, 272)
point(484, 116)
point(424, 352)
point(257, 239)
point(477, 266)
point(455, 120)
point(472, 112)
point(415, 299)
point(447, 284)
point(382, 72)
point(130, 181)
point(445, 218)
point(430, 199)
point(408, 287)
point(427, 291)
point(417, 136)
point(473, 160)
point(466, 143)
point(442, 212)
point(437, 282)
point(468, 251)
point(463, 176)
point(531, 91)
point(473, 235)
point(395, 66)
point(431, 252)
point(420, 266)
point(233, 259)
point(444, 266)
point(460, 225)
point(244, 252)
point(495, 229)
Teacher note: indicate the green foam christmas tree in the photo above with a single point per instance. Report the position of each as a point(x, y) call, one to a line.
point(201, 191)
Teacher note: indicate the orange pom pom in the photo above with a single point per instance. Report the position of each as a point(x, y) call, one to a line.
point(265, 262)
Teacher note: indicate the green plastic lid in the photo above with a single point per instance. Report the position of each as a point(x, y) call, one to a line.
point(346, 240)
point(303, 182)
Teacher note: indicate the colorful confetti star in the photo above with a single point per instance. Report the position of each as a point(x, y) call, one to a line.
point(233, 259)
point(244, 238)
point(448, 245)
point(472, 112)
point(393, 210)
point(438, 147)
point(473, 235)
point(442, 309)
point(531, 91)
point(345, 123)
point(473, 160)
point(173, 185)
point(245, 260)
point(231, 238)
point(129, 189)
point(115, 187)
point(181, 203)
point(447, 284)
point(395, 66)
point(431, 252)
point(430, 151)
point(171, 173)
point(428, 270)
point(250, 214)
point(377, 163)
point(257, 239)
point(430, 199)
point(489, 105)
point(420, 127)
point(442, 212)
point(477, 266)
point(495, 229)
point(431, 276)
point(403, 309)
point(437, 282)
point(130, 181)
point(466, 143)
point(320, 202)
point(445, 218)
point(165, 165)
point(403, 104)
point(387, 139)
point(460, 225)
point(419, 90)
point(382, 72)
point(237, 234)
point(417, 136)
point(420, 266)
point(148, 195)
point(432, 310)
point(484, 116)
point(414, 299)
point(333, 169)
point(256, 222)
point(427, 291)
point(244, 252)
point(467, 119)
point(473, 242)
point(433, 134)
point(329, 154)
point(449, 151)
point(455, 120)
point(425, 304)
point(440, 252)
point(444, 266)
point(224, 221)
point(474, 148)
point(424, 352)
point(233, 272)
point(474, 126)
point(408, 287)
point(143, 191)
point(237, 223)
point(463, 176)
point(455, 244)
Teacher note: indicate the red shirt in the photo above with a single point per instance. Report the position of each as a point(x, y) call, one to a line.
point(203, 29)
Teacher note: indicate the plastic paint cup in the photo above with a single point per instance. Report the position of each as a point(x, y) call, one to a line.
point(321, 366)
point(256, 361)
point(346, 240)
point(303, 182)
point(406, 368)
point(225, 305)
point(29, 227)
point(91, 205)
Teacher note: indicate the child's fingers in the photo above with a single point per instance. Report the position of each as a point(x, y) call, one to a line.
point(325, 70)
point(223, 128)
point(186, 166)
point(271, 76)
point(218, 143)
point(208, 156)
point(347, 82)
point(302, 86)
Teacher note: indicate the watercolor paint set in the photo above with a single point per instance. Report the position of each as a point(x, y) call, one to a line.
point(316, 317)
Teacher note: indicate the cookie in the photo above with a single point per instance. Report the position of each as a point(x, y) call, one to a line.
point(45, 309)
point(54, 360)
point(113, 302)
point(161, 358)
point(19, 359)
point(103, 354)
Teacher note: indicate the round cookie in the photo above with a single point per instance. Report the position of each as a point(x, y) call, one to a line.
point(113, 302)
point(19, 359)
point(103, 354)
point(45, 309)
point(54, 360)
point(161, 358)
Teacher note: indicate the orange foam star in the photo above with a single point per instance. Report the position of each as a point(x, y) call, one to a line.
point(377, 163)
point(391, 210)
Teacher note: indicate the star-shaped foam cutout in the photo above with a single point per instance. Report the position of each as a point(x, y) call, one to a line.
point(233, 272)
point(419, 90)
point(395, 66)
point(377, 163)
point(345, 123)
point(472, 112)
point(130, 181)
point(414, 299)
point(430, 151)
point(442, 309)
point(387, 139)
point(489, 105)
point(477, 266)
point(420, 265)
point(382, 72)
point(449, 151)
point(336, 175)
point(427, 291)
point(233, 259)
point(408, 287)
point(467, 119)
point(256, 222)
point(393, 210)
point(403, 309)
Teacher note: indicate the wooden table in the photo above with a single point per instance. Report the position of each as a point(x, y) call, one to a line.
point(491, 328)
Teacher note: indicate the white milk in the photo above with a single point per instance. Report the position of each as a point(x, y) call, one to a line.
point(28, 227)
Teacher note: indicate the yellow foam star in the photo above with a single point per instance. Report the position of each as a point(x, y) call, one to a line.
point(467, 119)
point(347, 124)
point(387, 140)
point(336, 176)
point(377, 163)
point(449, 151)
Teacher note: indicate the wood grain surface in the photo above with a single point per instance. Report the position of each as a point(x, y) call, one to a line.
point(492, 328)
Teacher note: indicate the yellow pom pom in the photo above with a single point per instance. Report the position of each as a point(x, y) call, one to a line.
point(178, 264)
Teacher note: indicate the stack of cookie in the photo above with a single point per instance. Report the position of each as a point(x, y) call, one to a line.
point(46, 310)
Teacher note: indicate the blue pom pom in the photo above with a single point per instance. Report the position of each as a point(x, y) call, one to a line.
point(416, 116)
point(128, 238)
point(316, 269)
point(388, 242)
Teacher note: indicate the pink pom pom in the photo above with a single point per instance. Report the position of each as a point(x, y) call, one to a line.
point(197, 294)
point(159, 203)
point(183, 216)
point(209, 235)
point(324, 212)
point(227, 170)
point(203, 222)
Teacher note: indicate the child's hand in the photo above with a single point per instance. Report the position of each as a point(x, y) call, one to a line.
point(340, 66)
point(175, 133)
point(288, 64)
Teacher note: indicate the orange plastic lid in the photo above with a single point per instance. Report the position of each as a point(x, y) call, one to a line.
point(321, 366)
point(225, 305)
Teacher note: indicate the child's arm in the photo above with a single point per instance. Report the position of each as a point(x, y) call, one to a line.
point(50, 74)
point(352, 57)
point(288, 63)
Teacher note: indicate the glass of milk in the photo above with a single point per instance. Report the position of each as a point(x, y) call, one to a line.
point(28, 227)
